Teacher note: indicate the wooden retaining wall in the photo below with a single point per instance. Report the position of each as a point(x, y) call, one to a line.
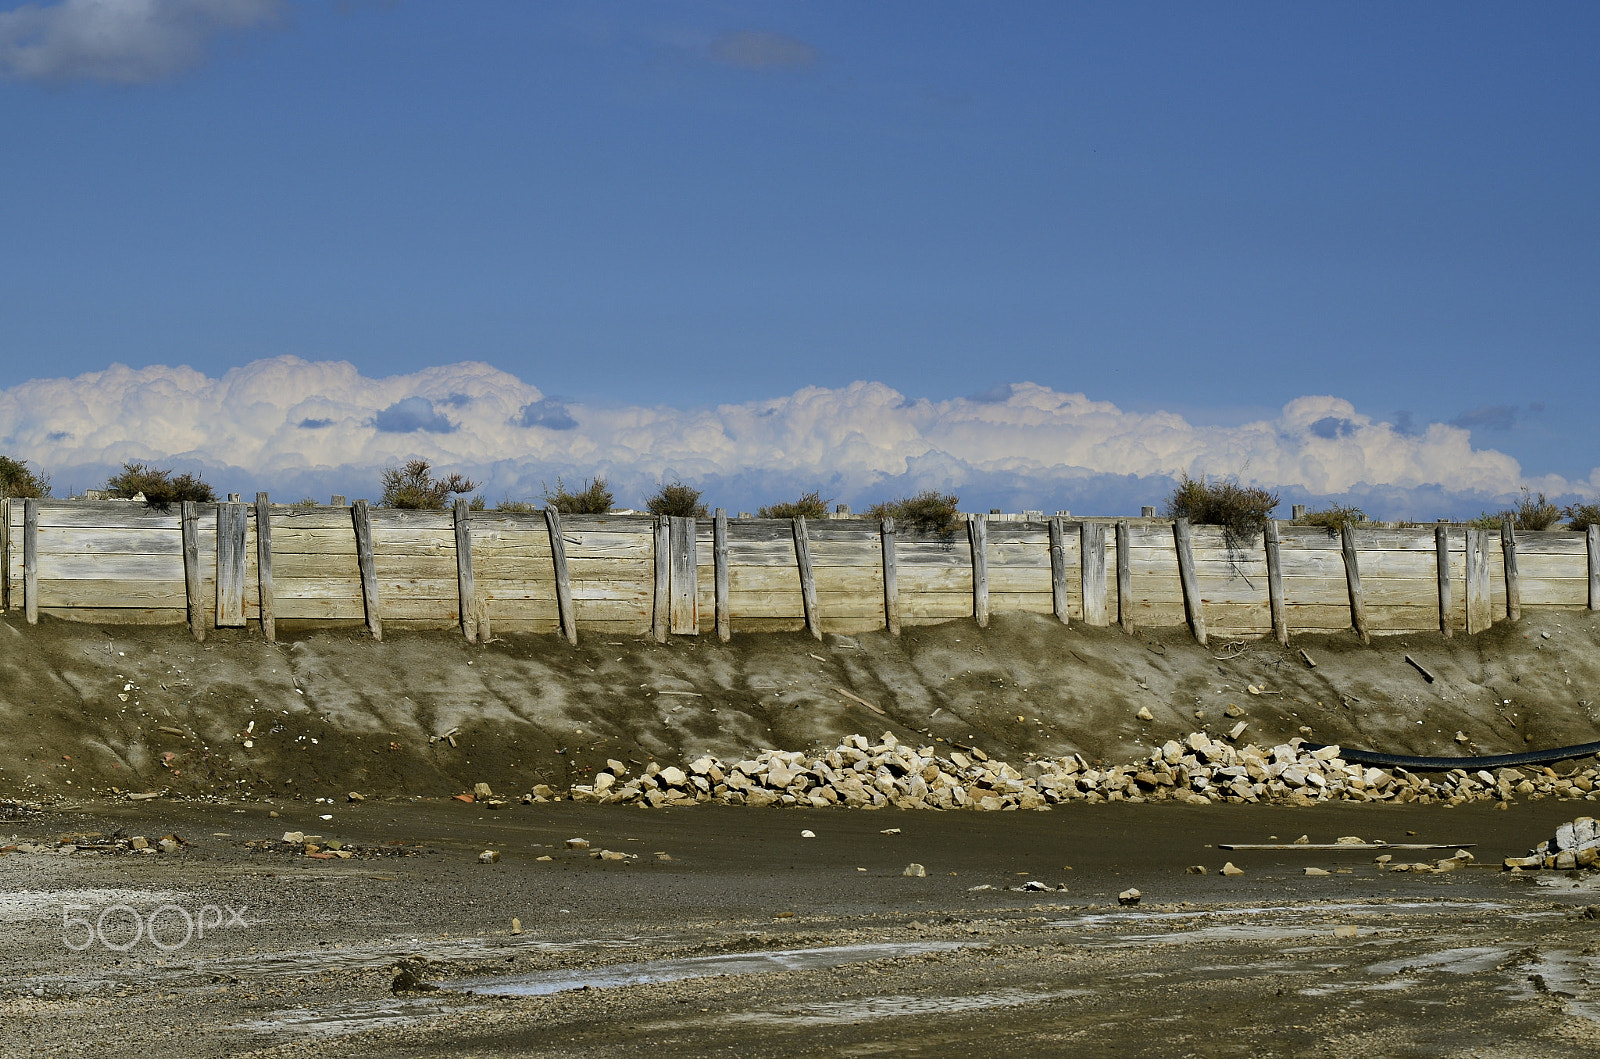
point(205, 565)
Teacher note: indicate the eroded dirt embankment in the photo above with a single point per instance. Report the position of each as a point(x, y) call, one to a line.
point(85, 708)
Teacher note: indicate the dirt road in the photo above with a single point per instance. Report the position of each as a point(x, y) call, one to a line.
point(748, 939)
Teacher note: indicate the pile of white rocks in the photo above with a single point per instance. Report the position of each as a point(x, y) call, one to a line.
point(861, 773)
point(1574, 845)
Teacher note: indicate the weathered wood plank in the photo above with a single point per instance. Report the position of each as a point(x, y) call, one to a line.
point(1352, 577)
point(1124, 578)
point(978, 541)
point(1061, 601)
point(30, 560)
point(558, 561)
point(1592, 547)
point(661, 613)
point(684, 616)
point(1275, 600)
point(1479, 615)
point(1191, 590)
point(361, 524)
point(891, 576)
point(1092, 571)
point(89, 514)
point(1508, 552)
point(719, 561)
point(231, 560)
point(265, 590)
point(808, 581)
point(1441, 549)
point(189, 524)
point(466, 582)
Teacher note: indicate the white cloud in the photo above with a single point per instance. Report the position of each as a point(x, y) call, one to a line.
point(124, 41)
point(294, 426)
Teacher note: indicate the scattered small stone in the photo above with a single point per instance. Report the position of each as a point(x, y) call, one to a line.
point(516, 925)
point(1349, 840)
point(489, 856)
point(663, 856)
point(1346, 931)
point(272, 814)
point(355, 796)
point(1129, 897)
point(1232, 711)
point(577, 843)
point(1317, 871)
point(1144, 714)
point(1383, 858)
point(139, 842)
point(1230, 869)
point(1196, 869)
point(915, 871)
point(808, 834)
point(481, 791)
point(890, 831)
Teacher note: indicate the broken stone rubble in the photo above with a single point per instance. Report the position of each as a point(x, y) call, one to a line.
point(1200, 770)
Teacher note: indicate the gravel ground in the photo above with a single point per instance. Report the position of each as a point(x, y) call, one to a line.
point(748, 939)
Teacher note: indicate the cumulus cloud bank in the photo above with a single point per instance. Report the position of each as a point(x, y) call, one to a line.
point(295, 426)
point(124, 41)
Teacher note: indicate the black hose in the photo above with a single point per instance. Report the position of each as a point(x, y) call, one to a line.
point(1444, 764)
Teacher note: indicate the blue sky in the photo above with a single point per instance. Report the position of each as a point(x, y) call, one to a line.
point(647, 212)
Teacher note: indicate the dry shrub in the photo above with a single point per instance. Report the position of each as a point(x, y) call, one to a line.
point(1333, 518)
point(414, 486)
point(1581, 516)
point(516, 507)
point(930, 511)
point(593, 499)
point(18, 481)
point(160, 488)
point(810, 505)
point(1241, 510)
point(1533, 512)
point(677, 500)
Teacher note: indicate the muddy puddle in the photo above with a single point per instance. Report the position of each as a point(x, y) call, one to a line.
point(546, 982)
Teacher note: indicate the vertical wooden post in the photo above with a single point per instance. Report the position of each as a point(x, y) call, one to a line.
point(466, 586)
point(189, 523)
point(1478, 616)
point(808, 582)
point(1592, 539)
point(978, 539)
point(1352, 580)
point(1441, 563)
point(1508, 550)
point(1058, 570)
point(5, 553)
point(1186, 577)
point(719, 565)
point(685, 615)
point(1124, 578)
point(231, 558)
point(891, 583)
point(264, 585)
point(1092, 571)
point(1280, 616)
point(30, 559)
point(558, 559)
point(361, 519)
point(659, 614)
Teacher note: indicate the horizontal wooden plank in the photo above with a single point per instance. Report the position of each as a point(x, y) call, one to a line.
point(110, 515)
point(120, 615)
point(130, 568)
point(96, 541)
point(91, 593)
